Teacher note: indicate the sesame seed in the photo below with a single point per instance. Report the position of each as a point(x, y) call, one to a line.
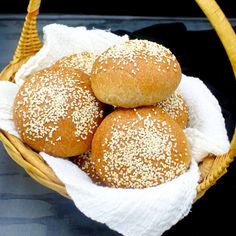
point(140, 154)
point(174, 105)
point(86, 164)
point(53, 95)
point(129, 52)
point(83, 61)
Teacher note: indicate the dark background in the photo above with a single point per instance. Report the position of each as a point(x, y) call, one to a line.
point(185, 8)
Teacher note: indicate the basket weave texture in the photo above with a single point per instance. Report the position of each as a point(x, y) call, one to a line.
point(212, 168)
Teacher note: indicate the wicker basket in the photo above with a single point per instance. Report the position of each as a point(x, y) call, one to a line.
point(212, 168)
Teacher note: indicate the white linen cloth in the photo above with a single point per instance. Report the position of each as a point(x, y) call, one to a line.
point(61, 40)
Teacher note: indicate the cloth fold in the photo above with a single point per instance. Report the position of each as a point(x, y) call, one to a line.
point(62, 40)
point(131, 212)
point(206, 130)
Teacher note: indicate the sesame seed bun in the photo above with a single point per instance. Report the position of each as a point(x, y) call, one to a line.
point(85, 163)
point(82, 61)
point(55, 111)
point(138, 148)
point(176, 108)
point(135, 73)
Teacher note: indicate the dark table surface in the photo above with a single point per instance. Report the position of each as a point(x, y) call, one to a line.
point(27, 208)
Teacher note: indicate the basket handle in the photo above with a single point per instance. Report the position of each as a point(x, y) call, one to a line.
point(222, 27)
point(228, 39)
point(29, 42)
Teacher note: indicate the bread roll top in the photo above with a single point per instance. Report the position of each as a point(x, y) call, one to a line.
point(138, 148)
point(135, 73)
point(55, 111)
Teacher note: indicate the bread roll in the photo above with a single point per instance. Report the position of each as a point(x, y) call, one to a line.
point(55, 111)
point(176, 107)
point(85, 163)
point(82, 61)
point(138, 148)
point(135, 73)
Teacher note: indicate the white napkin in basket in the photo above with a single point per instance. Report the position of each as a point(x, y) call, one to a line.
point(61, 40)
point(134, 212)
point(131, 212)
point(7, 96)
point(206, 131)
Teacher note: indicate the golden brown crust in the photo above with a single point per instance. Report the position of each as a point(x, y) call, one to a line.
point(55, 111)
point(86, 164)
point(176, 108)
point(83, 61)
point(138, 148)
point(135, 73)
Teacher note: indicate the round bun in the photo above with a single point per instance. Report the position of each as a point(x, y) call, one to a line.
point(86, 164)
point(138, 148)
point(176, 108)
point(135, 73)
point(55, 111)
point(82, 61)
